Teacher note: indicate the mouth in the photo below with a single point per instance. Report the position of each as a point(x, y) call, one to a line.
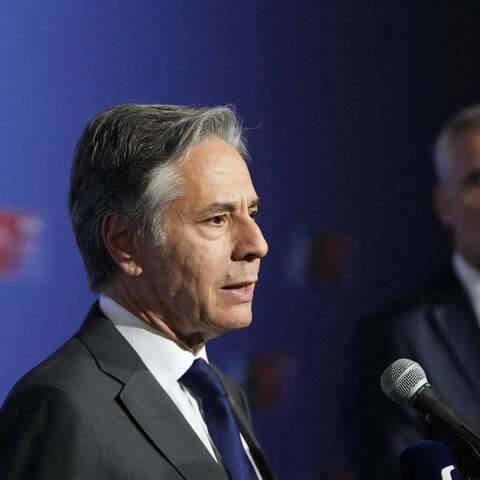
point(241, 291)
point(239, 285)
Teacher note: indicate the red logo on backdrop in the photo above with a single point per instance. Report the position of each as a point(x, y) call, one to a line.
point(20, 233)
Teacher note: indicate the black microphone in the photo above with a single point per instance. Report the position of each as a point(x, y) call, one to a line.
point(427, 460)
point(405, 382)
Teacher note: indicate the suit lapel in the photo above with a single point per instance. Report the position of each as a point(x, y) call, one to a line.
point(145, 400)
point(163, 423)
point(453, 317)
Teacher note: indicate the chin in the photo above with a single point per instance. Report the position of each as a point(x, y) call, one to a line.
point(243, 324)
point(240, 321)
point(223, 320)
point(234, 322)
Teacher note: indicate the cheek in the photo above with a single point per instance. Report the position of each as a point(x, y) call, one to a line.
point(203, 256)
point(466, 222)
point(192, 275)
point(470, 197)
point(469, 209)
point(197, 267)
point(169, 272)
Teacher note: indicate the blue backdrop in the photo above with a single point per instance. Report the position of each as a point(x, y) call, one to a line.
point(342, 101)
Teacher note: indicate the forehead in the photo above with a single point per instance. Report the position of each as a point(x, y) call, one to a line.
point(214, 168)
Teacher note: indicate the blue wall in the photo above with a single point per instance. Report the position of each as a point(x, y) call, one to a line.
point(343, 101)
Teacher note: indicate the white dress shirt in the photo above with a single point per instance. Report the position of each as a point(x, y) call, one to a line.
point(167, 362)
point(470, 278)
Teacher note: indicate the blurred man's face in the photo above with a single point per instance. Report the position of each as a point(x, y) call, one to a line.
point(200, 282)
point(458, 201)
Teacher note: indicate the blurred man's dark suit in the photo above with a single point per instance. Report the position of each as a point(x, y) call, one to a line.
point(435, 326)
point(93, 411)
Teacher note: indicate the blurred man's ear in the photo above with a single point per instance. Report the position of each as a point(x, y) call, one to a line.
point(122, 242)
point(442, 204)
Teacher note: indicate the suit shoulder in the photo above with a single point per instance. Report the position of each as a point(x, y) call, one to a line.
point(401, 328)
point(413, 306)
point(65, 369)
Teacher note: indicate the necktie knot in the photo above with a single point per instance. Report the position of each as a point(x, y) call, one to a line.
point(202, 380)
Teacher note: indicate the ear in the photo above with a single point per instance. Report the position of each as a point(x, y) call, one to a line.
point(442, 204)
point(122, 242)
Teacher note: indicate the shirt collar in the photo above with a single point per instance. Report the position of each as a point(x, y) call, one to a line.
point(165, 359)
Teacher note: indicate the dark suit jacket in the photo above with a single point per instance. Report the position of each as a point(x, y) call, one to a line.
point(436, 327)
point(93, 411)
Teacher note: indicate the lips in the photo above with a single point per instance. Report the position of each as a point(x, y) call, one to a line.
point(239, 285)
point(241, 291)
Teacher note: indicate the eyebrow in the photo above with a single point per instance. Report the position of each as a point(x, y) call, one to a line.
point(221, 207)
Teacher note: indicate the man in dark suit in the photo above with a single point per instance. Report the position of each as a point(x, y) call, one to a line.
point(163, 209)
point(437, 325)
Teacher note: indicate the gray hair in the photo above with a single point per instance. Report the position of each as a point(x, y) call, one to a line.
point(442, 152)
point(125, 165)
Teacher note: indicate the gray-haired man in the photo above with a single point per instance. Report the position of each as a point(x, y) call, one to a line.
point(163, 209)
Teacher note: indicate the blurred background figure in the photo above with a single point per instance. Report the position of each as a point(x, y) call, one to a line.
point(437, 325)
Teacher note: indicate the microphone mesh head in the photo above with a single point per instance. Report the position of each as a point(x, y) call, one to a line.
point(402, 379)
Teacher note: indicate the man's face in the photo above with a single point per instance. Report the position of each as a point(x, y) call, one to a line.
point(200, 282)
point(458, 201)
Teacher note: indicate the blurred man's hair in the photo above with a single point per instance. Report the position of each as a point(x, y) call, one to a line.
point(464, 120)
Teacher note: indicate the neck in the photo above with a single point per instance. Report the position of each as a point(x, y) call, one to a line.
point(124, 297)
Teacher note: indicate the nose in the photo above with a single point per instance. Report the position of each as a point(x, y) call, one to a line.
point(250, 243)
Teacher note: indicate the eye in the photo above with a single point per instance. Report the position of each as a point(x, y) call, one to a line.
point(253, 213)
point(217, 219)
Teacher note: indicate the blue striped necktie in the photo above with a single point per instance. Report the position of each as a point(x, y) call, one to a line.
point(202, 380)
